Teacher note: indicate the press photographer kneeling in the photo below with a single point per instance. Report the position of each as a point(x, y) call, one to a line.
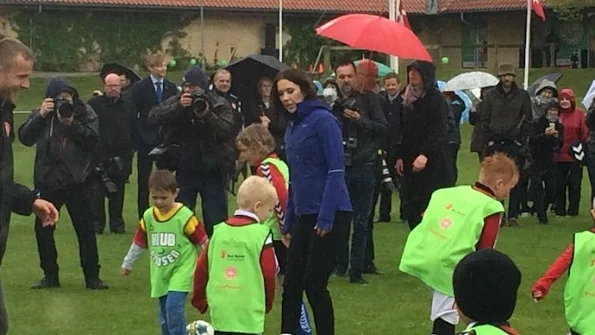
point(64, 129)
point(199, 145)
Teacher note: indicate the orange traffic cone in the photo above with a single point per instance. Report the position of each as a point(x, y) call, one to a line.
point(320, 68)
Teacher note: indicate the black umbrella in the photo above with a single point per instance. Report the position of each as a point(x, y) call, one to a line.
point(119, 70)
point(247, 71)
point(555, 77)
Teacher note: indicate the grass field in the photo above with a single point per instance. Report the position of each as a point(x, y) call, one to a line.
point(392, 304)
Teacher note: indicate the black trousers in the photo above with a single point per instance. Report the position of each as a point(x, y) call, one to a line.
point(115, 206)
point(77, 199)
point(570, 177)
point(542, 187)
point(454, 155)
point(144, 169)
point(310, 262)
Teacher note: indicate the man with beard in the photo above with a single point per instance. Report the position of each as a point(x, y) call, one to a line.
point(16, 65)
point(117, 131)
point(506, 122)
point(364, 127)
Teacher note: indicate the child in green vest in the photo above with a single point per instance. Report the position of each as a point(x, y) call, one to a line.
point(457, 221)
point(235, 275)
point(578, 260)
point(256, 145)
point(485, 285)
point(172, 234)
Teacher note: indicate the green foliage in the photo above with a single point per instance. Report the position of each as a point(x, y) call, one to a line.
point(571, 10)
point(64, 40)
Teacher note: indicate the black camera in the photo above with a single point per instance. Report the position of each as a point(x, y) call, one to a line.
point(387, 179)
point(113, 166)
point(200, 104)
point(166, 157)
point(63, 107)
point(348, 103)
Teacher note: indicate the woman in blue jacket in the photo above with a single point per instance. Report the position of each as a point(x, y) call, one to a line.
point(318, 203)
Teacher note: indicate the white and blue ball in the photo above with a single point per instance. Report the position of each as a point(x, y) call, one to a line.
point(200, 327)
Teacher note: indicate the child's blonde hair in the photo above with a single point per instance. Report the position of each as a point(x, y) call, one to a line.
point(257, 137)
point(255, 189)
point(498, 166)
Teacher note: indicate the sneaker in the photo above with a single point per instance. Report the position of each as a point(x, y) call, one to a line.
point(46, 282)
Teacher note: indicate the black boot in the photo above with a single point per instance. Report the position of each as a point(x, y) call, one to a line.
point(47, 282)
point(92, 280)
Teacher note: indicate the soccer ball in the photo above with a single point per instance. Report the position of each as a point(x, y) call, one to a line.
point(200, 327)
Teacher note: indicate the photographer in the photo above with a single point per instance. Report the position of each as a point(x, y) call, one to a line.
point(117, 131)
point(64, 130)
point(364, 127)
point(203, 123)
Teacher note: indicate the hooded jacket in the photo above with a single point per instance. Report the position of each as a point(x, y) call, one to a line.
point(575, 128)
point(538, 103)
point(63, 152)
point(314, 149)
point(506, 115)
point(13, 197)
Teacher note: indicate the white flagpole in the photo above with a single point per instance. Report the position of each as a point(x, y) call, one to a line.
point(397, 9)
point(527, 45)
point(281, 30)
point(392, 15)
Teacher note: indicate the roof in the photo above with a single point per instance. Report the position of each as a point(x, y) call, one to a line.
point(336, 6)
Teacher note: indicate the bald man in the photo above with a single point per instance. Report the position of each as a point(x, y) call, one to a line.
point(367, 76)
point(117, 130)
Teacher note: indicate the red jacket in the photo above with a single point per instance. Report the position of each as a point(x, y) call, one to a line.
point(575, 128)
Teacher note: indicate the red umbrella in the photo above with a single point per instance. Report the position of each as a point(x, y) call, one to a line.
point(375, 33)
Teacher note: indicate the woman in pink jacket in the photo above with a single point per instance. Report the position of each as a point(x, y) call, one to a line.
point(570, 171)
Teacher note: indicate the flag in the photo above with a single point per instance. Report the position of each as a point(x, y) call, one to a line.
point(538, 9)
point(402, 16)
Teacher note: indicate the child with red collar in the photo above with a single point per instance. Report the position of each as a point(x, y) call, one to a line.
point(235, 275)
point(485, 285)
point(579, 296)
point(457, 221)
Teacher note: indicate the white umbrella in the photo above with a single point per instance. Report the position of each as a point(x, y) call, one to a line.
point(471, 80)
point(589, 96)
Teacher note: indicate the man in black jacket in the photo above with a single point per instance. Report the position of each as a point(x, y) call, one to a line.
point(16, 65)
point(364, 127)
point(64, 131)
point(117, 132)
point(207, 145)
point(146, 94)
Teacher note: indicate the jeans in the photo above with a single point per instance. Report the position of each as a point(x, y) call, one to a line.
point(360, 181)
point(171, 313)
point(213, 193)
point(570, 176)
point(310, 262)
point(3, 313)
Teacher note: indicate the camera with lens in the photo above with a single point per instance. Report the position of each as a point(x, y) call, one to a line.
point(348, 103)
point(166, 157)
point(113, 166)
point(63, 107)
point(387, 179)
point(200, 104)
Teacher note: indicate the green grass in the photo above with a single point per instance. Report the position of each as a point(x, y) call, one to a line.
point(392, 304)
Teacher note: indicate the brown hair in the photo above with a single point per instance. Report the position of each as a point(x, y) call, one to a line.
point(297, 77)
point(10, 49)
point(499, 165)
point(154, 59)
point(392, 75)
point(163, 180)
point(257, 137)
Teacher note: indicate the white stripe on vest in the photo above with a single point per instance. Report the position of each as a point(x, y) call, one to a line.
point(266, 171)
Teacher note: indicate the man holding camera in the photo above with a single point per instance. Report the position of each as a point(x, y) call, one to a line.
point(117, 130)
point(64, 130)
point(203, 123)
point(364, 126)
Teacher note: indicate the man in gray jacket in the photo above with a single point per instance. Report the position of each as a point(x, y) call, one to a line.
point(16, 65)
point(506, 122)
point(65, 131)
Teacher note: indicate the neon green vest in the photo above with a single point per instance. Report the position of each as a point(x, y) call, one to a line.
point(277, 216)
point(173, 255)
point(449, 230)
point(235, 290)
point(486, 330)
point(579, 295)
